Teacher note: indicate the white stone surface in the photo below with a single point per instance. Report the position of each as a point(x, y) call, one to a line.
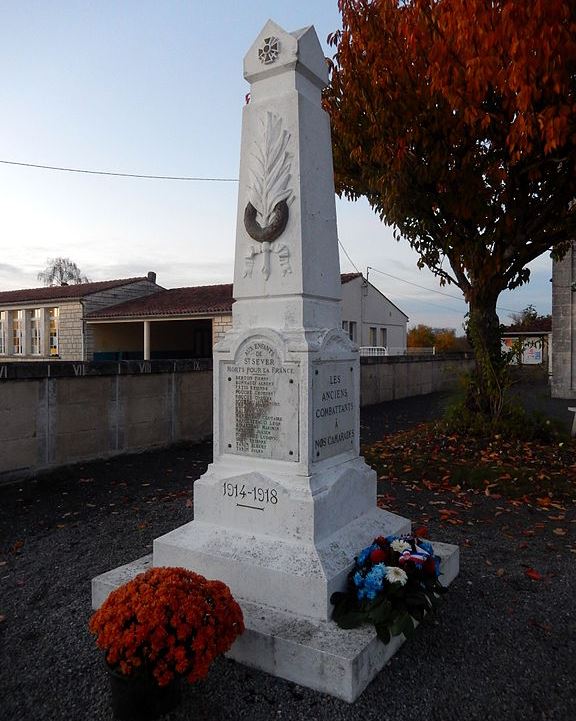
point(259, 403)
point(293, 576)
point(289, 89)
point(315, 654)
point(105, 583)
point(288, 502)
point(320, 655)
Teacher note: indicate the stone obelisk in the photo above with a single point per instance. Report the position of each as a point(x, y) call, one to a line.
point(287, 502)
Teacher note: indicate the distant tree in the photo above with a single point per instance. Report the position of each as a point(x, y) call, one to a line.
point(445, 340)
point(61, 271)
point(456, 119)
point(528, 318)
point(525, 316)
point(421, 336)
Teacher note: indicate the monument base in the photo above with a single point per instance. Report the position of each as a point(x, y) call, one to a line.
point(315, 654)
point(274, 572)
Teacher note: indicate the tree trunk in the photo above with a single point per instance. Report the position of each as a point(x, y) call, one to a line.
point(487, 389)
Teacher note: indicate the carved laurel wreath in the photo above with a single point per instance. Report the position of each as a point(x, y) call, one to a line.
point(266, 215)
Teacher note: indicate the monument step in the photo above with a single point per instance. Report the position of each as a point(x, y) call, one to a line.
point(294, 576)
point(321, 655)
point(315, 654)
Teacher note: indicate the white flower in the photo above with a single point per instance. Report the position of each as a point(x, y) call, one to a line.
point(399, 546)
point(396, 575)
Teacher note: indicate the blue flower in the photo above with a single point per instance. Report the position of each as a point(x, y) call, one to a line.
point(365, 553)
point(374, 581)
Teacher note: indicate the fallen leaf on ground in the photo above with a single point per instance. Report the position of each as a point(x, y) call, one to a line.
point(533, 574)
point(538, 624)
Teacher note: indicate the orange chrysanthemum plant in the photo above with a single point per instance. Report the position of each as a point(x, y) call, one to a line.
point(169, 622)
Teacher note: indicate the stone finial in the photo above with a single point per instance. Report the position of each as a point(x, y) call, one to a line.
point(276, 51)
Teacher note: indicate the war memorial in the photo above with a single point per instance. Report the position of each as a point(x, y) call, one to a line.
point(288, 502)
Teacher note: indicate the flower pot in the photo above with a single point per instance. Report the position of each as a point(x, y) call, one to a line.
point(139, 698)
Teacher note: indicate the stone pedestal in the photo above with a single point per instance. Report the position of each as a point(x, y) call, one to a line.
point(564, 326)
point(288, 502)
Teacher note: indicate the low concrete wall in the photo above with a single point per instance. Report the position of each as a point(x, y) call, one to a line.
point(389, 378)
point(53, 414)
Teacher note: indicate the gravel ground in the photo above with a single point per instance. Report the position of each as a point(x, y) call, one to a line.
point(504, 648)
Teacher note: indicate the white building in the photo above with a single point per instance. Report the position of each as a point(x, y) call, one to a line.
point(135, 318)
point(369, 318)
point(48, 323)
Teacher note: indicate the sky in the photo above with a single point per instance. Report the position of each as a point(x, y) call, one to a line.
point(156, 88)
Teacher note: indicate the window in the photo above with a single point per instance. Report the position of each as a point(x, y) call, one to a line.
point(53, 314)
point(373, 341)
point(352, 330)
point(383, 337)
point(345, 326)
point(2, 331)
point(35, 326)
point(18, 332)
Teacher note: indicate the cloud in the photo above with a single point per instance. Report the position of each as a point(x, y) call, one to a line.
point(14, 278)
point(169, 274)
point(6, 268)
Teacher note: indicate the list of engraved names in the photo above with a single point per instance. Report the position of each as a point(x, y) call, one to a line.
point(261, 394)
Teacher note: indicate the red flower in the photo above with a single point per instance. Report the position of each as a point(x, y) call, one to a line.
point(379, 556)
point(170, 620)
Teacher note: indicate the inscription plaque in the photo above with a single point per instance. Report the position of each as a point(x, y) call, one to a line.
point(259, 395)
point(334, 410)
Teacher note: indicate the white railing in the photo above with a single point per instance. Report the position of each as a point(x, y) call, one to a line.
point(371, 351)
point(421, 351)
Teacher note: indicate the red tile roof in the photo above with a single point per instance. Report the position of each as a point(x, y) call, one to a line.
point(542, 324)
point(62, 292)
point(197, 300)
point(347, 277)
point(177, 301)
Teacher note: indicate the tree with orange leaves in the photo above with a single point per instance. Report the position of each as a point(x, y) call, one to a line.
point(421, 336)
point(457, 120)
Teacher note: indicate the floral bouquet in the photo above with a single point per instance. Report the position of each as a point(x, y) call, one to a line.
point(167, 622)
point(394, 582)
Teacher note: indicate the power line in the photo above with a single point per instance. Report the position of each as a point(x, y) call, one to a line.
point(119, 175)
point(448, 295)
point(432, 290)
point(435, 305)
point(219, 180)
point(349, 258)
